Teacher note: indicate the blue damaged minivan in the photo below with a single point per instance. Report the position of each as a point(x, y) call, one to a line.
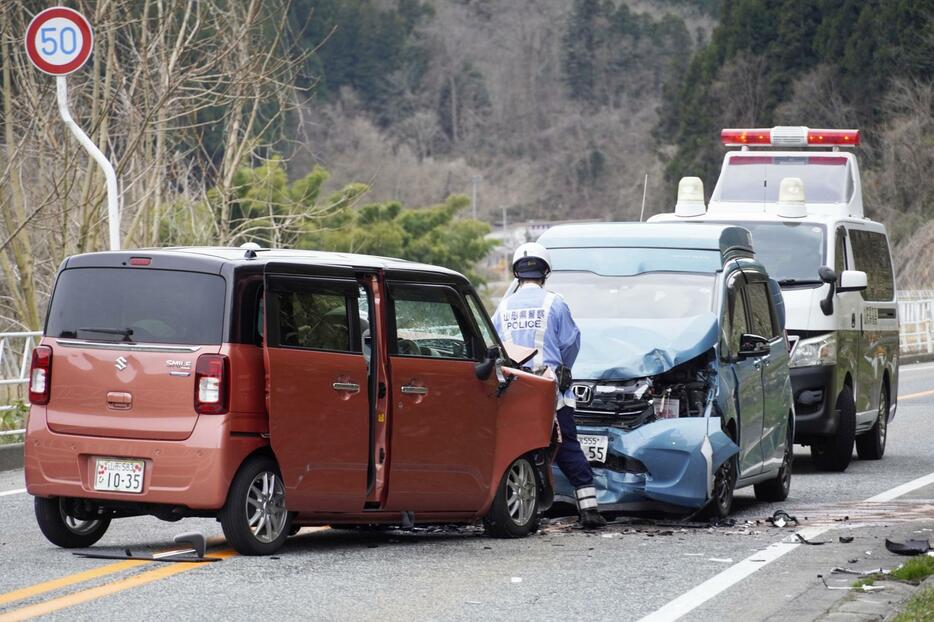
point(682, 383)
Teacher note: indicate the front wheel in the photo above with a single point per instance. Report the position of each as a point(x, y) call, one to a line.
point(64, 530)
point(514, 513)
point(254, 519)
point(724, 485)
point(871, 445)
point(833, 453)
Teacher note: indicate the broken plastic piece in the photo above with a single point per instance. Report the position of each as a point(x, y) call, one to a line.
point(846, 539)
point(804, 540)
point(189, 559)
point(781, 518)
point(860, 573)
point(195, 539)
point(908, 547)
point(862, 588)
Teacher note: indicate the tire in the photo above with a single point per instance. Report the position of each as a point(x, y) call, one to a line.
point(833, 453)
point(61, 529)
point(871, 445)
point(254, 519)
point(724, 485)
point(514, 513)
point(777, 489)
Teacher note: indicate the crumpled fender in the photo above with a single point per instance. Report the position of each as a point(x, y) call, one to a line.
point(672, 451)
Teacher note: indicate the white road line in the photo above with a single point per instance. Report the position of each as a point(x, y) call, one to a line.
point(7, 493)
point(904, 489)
point(696, 597)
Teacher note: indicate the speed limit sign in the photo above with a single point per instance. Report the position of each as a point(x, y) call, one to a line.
point(59, 41)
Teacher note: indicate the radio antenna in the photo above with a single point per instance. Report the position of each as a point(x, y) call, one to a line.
point(645, 187)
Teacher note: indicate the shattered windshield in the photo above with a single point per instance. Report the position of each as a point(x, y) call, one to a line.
point(660, 295)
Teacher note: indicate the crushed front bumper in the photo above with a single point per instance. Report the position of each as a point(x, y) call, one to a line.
point(660, 465)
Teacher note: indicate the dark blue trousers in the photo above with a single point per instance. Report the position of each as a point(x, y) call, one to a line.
point(570, 458)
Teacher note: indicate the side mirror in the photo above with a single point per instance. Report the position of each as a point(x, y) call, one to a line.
point(852, 281)
point(485, 368)
point(753, 345)
point(830, 277)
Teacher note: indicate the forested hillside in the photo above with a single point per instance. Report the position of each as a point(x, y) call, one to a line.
point(559, 108)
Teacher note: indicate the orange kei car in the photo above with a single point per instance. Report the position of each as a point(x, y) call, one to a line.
point(274, 389)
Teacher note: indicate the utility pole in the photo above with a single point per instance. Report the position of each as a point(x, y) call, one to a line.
point(473, 201)
point(506, 249)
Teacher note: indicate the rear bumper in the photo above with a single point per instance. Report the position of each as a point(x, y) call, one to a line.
point(815, 397)
point(194, 473)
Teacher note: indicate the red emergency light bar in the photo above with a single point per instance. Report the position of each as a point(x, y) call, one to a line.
point(789, 137)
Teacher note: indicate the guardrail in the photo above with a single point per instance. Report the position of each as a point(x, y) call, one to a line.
point(15, 354)
point(916, 322)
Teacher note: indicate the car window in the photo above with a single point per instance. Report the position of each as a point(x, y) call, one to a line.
point(429, 321)
point(316, 316)
point(760, 312)
point(483, 321)
point(138, 305)
point(738, 323)
point(871, 255)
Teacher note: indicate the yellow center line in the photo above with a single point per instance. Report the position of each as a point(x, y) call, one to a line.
point(80, 577)
point(912, 396)
point(77, 598)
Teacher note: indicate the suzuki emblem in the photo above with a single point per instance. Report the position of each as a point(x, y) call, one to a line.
point(583, 393)
point(120, 364)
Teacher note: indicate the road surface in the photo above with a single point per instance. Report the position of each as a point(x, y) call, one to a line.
point(750, 571)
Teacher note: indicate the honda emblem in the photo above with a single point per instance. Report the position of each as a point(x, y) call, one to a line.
point(583, 393)
point(120, 363)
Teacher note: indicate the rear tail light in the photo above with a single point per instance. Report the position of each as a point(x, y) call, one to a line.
point(212, 384)
point(40, 376)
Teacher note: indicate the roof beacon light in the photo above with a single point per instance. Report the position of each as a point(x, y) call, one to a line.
point(789, 136)
point(690, 198)
point(791, 198)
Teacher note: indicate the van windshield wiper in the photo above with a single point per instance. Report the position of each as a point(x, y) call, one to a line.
point(126, 333)
point(793, 282)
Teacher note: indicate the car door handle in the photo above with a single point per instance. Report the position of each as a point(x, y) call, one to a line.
point(349, 387)
point(411, 389)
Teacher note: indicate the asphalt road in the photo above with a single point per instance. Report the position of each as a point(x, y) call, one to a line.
point(750, 571)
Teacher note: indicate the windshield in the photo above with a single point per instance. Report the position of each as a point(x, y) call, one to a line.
point(756, 179)
point(138, 305)
point(652, 295)
point(791, 252)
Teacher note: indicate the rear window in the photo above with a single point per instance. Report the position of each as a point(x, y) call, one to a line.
point(138, 305)
point(755, 179)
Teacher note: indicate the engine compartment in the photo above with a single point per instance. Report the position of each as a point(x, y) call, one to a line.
point(628, 404)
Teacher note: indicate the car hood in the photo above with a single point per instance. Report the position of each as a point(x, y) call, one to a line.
point(622, 349)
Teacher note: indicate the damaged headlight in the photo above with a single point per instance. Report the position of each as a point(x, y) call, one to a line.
point(815, 351)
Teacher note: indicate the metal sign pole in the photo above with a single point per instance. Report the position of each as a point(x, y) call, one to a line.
point(113, 197)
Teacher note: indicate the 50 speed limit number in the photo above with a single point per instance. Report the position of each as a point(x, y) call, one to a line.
point(59, 41)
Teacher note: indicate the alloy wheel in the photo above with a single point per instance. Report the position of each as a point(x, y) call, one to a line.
point(265, 507)
point(521, 492)
point(76, 525)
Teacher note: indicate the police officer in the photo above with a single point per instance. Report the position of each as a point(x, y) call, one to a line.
point(536, 318)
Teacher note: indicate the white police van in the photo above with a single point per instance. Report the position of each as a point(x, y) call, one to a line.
point(805, 211)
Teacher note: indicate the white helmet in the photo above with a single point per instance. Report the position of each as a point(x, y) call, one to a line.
point(531, 261)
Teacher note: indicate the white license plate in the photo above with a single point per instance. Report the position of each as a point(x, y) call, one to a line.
point(594, 447)
point(119, 475)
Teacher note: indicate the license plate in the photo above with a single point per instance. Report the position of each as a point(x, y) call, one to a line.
point(119, 475)
point(594, 447)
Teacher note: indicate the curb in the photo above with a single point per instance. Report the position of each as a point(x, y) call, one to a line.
point(11, 456)
point(907, 359)
point(874, 606)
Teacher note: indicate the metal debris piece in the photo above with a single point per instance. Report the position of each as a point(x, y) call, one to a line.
point(862, 588)
point(908, 547)
point(860, 573)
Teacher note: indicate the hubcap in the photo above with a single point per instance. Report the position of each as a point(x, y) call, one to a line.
point(75, 525)
point(521, 492)
point(265, 507)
